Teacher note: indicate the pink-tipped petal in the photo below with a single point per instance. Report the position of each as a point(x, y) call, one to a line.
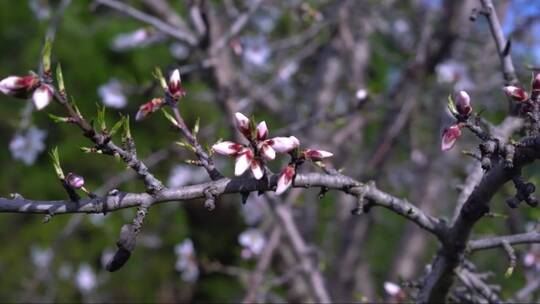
point(262, 131)
point(257, 169)
point(267, 152)
point(283, 144)
point(463, 103)
point(536, 82)
point(317, 155)
point(227, 148)
point(450, 135)
point(42, 96)
point(243, 124)
point(243, 162)
point(18, 86)
point(285, 179)
point(517, 94)
point(175, 79)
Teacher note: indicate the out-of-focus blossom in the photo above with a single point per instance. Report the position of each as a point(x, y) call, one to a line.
point(41, 257)
point(517, 94)
point(85, 278)
point(453, 72)
point(137, 39)
point(256, 51)
point(285, 179)
point(112, 94)
point(186, 262)
point(450, 135)
point(253, 242)
point(40, 8)
point(288, 70)
point(253, 210)
point(179, 50)
point(394, 291)
point(42, 96)
point(28, 145)
point(361, 94)
point(19, 86)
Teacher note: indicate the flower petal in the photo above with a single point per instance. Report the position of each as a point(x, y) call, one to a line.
point(463, 103)
point(450, 135)
point(227, 148)
point(283, 144)
point(243, 124)
point(262, 131)
point(285, 179)
point(42, 96)
point(243, 162)
point(256, 169)
point(517, 94)
point(267, 152)
point(18, 86)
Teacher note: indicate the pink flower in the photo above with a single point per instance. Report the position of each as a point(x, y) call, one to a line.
point(228, 148)
point(74, 181)
point(285, 179)
point(517, 94)
point(450, 135)
point(463, 103)
point(246, 160)
point(42, 96)
point(149, 107)
point(175, 85)
point(19, 87)
point(316, 155)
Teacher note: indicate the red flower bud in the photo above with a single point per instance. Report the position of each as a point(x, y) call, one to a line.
point(175, 85)
point(149, 107)
point(74, 181)
point(517, 94)
point(316, 155)
point(463, 103)
point(450, 135)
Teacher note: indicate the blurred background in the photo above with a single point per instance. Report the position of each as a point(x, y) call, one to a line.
point(366, 80)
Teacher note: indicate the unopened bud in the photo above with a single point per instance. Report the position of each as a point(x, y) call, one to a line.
point(517, 94)
point(74, 181)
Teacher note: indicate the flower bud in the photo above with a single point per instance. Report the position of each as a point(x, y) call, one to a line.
point(42, 96)
point(450, 135)
point(175, 85)
point(149, 107)
point(74, 181)
point(284, 144)
point(243, 124)
point(285, 179)
point(316, 155)
point(463, 103)
point(19, 87)
point(517, 94)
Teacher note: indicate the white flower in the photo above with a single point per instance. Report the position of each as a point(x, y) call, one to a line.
point(41, 257)
point(253, 242)
point(136, 39)
point(27, 146)
point(42, 96)
point(361, 94)
point(112, 94)
point(85, 278)
point(40, 8)
point(256, 52)
point(392, 289)
point(186, 262)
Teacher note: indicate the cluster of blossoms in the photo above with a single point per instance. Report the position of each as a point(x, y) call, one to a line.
point(261, 149)
point(462, 109)
point(24, 87)
point(174, 92)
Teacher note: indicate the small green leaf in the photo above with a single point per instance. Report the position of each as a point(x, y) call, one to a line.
point(74, 105)
point(101, 117)
point(46, 56)
point(56, 163)
point(127, 131)
point(117, 126)
point(58, 119)
point(169, 117)
point(196, 127)
point(159, 76)
point(452, 105)
point(186, 145)
point(60, 79)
